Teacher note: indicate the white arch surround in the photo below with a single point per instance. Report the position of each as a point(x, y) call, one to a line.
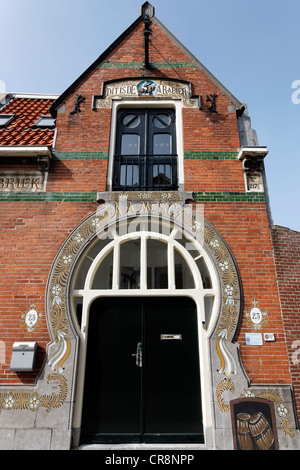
point(218, 354)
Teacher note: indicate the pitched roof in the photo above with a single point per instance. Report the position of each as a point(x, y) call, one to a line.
point(27, 110)
point(146, 11)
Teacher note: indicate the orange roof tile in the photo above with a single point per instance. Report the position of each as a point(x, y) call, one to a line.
point(20, 130)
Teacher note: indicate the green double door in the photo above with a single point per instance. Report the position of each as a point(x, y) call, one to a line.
point(142, 380)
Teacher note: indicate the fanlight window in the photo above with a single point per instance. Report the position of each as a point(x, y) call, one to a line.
point(143, 263)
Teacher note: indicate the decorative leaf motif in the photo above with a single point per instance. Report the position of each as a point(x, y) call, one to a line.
point(33, 401)
point(224, 386)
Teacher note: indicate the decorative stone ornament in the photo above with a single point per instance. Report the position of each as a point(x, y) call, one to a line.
point(212, 99)
point(253, 167)
point(155, 88)
point(31, 318)
point(79, 99)
point(255, 317)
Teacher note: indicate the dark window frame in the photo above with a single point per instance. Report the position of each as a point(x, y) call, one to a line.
point(144, 168)
point(43, 122)
point(9, 119)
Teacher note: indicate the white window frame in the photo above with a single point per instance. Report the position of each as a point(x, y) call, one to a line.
point(174, 104)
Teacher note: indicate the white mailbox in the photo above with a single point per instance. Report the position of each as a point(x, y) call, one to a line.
point(23, 356)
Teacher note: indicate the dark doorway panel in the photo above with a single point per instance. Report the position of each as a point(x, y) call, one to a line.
point(142, 372)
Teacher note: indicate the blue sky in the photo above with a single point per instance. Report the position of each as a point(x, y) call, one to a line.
point(251, 46)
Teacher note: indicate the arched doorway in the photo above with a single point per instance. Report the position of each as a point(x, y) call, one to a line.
point(174, 252)
point(145, 300)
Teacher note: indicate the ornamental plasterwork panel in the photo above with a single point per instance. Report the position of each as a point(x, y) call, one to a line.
point(31, 318)
point(146, 88)
point(33, 401)
point(282, 409)
point(256, 318)
point(229, 314)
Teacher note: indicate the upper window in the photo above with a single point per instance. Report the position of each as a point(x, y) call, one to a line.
point(6, 119)
point(45, 122)
point(145, 151)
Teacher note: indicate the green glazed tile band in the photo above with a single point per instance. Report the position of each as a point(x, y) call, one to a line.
point(103, 155)
point(92, 197)
point(50, 197)
point(210, 155)
point(100, 155)
point(137, 65)
point(229, 197)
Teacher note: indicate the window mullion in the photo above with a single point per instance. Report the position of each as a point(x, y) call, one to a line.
point(143, 258)
point(171, 266)
point(116, 267)
point(146, 130)
point(145, 151)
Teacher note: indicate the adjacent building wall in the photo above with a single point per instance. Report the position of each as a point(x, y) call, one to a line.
point(287, 259)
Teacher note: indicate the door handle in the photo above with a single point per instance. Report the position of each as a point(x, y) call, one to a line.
point(139, 354)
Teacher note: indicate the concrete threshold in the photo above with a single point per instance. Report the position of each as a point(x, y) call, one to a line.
point(166, 447)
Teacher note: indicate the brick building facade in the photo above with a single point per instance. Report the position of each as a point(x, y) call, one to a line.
point(139, 259)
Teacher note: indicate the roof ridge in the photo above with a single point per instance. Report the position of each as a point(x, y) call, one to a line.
point(46, 96)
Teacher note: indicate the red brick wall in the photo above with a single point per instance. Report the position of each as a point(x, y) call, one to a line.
point(287, 258)
point(31, 235)
point(214, 175)
point(77, 175)
point(244, 226)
